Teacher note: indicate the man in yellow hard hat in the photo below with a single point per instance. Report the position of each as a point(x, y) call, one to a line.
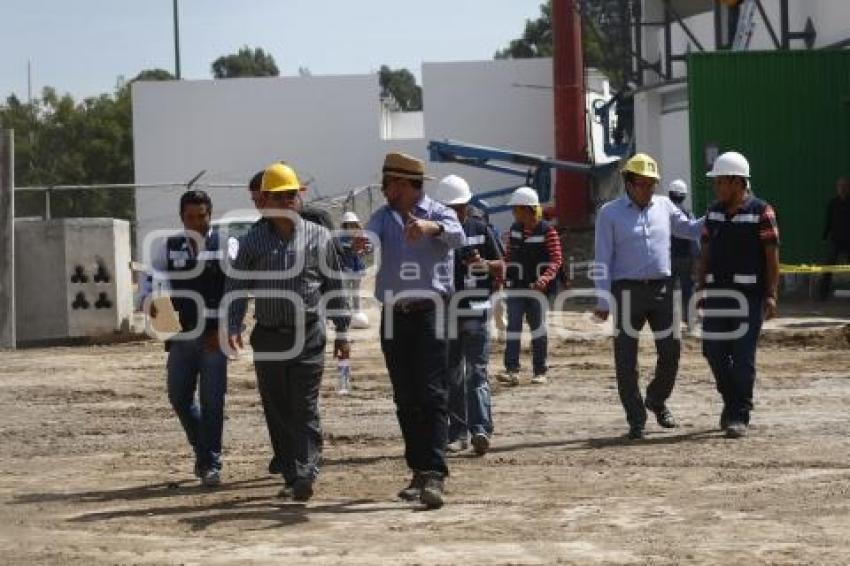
point(288, 264)
point(632, 268)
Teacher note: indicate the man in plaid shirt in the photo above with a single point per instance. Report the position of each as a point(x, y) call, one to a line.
point(740, 256)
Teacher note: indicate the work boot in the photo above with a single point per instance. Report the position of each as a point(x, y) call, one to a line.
point(302, 490)
point(212, 478)
point(736, 429)
point(635, 433)
point(285, 492)
point(509, 378)
point(432, 491)
point(414, 489)
point(663, 415)
point(480, 443)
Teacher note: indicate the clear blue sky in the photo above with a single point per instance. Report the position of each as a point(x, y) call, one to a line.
point(82, 46)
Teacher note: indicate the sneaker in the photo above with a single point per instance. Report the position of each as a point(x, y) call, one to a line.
point(635, 433)
point(509, 378)
point(432, 492)
point(414, 489)
point(480, 443)
point(663, 415)
point(539, 379)
point(302, 490)
point(736, 430)
point(457, 446)
point(211, 478)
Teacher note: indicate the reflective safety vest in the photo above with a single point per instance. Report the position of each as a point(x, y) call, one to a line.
point(209, 282)
point(529, 257)
point(736, 252)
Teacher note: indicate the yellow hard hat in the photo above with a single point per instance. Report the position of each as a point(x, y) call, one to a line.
point(643, 165)
point(278, 178)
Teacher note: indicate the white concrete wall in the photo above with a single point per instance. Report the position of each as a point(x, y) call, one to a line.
point(329, 128)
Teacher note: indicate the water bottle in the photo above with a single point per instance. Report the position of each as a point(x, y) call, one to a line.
point(344, 383)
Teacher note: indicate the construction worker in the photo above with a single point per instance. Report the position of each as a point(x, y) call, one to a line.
point(305, 263)
point(478, 268)
point(533, 259)
point(352, 260)
point(632, 264)
point(683, 252)
point(836, 232)
point(740, 255)
point(415, 278)
point(190, 262)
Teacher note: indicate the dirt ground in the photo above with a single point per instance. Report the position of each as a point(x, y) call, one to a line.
point(95, 468)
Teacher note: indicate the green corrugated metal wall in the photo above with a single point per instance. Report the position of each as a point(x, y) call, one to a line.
point(789, 113)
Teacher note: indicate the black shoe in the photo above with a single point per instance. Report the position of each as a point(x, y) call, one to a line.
point(663, 415)
point(480, 443)
point(275, 467)
point(302, 490)
point(432, 491)
point(414, 489)
point(635, 433)
point(736, 429)
point(286, 491)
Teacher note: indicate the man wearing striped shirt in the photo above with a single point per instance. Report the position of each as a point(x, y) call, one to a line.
point(533, 258)
point(290, 265)
point(740, 255)
point(633, 264)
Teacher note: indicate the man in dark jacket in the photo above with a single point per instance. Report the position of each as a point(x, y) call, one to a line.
point(836, 232)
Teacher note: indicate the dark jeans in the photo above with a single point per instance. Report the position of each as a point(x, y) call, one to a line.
point(289, 391)
point(650, 302)
point(417, 362)
point(733, 361)
point(683, 273)
point(190, 367)
point(835, 252)
point(469, 388)
point(534, 312)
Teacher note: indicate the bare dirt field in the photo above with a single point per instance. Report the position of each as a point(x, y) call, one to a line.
point(95, 468)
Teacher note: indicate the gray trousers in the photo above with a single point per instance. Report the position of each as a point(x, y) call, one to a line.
point(637, 304)
point(289, 391)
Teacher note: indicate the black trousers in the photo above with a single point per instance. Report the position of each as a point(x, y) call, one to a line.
point(650, 302)
point(417, 361)
point(289, 390)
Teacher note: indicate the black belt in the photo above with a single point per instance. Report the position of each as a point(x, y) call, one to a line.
point(643, 281)
point(410, 307)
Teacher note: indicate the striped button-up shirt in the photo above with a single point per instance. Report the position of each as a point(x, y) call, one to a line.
point(307, 264)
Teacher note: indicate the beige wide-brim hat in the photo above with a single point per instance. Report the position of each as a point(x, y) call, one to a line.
point(405, 167)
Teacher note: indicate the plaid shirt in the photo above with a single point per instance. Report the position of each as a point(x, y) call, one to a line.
point(264, 250)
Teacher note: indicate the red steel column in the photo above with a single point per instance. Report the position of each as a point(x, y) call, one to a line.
point(572, 200)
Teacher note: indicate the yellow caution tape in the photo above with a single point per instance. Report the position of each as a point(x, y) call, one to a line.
point(806, 268)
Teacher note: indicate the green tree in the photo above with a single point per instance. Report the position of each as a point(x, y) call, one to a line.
point(246, 62)
point(61, 141)
point(606, 37)
point(400, 84)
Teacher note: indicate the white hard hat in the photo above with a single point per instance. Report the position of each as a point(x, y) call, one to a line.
point(730, 164)
point(359, 320)
point(524, 196)
point(453, 190)
point(350, 217)
point(678, 186)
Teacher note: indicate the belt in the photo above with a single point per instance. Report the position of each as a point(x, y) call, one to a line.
point(410, 307)
point(643, 281)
